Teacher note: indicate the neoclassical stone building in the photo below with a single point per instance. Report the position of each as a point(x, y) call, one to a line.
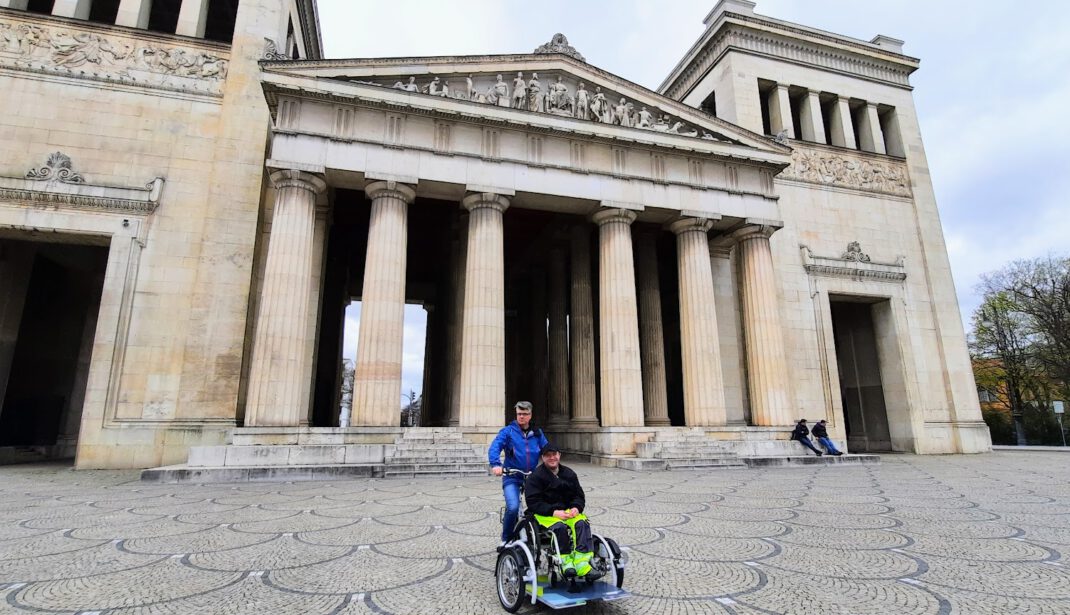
point(191, 195)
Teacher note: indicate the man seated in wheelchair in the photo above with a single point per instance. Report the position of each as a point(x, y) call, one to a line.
point(555, 499)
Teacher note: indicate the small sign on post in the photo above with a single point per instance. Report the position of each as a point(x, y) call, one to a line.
point(1057, 406)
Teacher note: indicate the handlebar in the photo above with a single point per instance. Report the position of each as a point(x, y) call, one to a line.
point(514, 472)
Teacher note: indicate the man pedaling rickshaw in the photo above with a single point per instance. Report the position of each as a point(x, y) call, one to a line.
point(521, 444)
point(555, 498)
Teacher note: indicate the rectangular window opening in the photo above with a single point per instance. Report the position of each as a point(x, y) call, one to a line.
point(40, 6)
point(219, 25)
point(858, 109)
point(893, 138)
point(826, 116)
point(104, 11)
point(765, 90)
point(795, 99)
point(163, 15)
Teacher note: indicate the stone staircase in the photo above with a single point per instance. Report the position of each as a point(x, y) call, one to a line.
point(433, 451)
point(683, 448)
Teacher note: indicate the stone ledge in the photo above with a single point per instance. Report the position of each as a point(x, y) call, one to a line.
point(809, 460)
point(186, 474)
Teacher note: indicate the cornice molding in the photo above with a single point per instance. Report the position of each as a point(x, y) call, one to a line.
point(57, 185)
point(753, 36)
point(853, 264)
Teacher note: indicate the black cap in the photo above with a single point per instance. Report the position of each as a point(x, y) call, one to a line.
point(549, 448)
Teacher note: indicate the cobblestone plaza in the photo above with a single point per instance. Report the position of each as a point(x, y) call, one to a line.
point(963, 534)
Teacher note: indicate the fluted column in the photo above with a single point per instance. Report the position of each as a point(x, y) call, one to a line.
point(618, 322)
point(192, 18)
point(483, 336)
point(869, 130)
point(537, 358)
point(763, 331)
point(458, 256)
point(377, 375)
point(700, 345)
point(651, 335)
point(280, 362)
point(558, 339)
point(581, 330)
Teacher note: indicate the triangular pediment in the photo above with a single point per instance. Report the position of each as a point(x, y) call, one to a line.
point(534, 88)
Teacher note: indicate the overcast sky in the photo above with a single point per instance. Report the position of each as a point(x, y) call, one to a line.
point(992, 93)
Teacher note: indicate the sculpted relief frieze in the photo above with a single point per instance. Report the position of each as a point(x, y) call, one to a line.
point(845, 169)
point(560, 94)
point(41, 47)
point(57, 185)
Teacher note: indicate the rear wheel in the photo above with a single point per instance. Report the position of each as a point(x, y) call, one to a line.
point(509, 575)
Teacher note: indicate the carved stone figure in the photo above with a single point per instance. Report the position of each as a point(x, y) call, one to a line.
point(582, 103)
point(662, 125)
point(644, 118)
point(680, 129)
point(559, 100)
point(520, 90)
point(600, 111)
point(433, 88)
point(470, 90)
point(446, 88)
point(620, 114)
point(500, 92)
point(535, 97)
point(411, 85)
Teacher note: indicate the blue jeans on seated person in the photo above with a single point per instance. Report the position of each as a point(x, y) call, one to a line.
point(829, 446)
point(511, 487)
point(808, 444)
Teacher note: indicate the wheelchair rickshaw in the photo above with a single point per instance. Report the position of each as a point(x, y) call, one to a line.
point(529, 567)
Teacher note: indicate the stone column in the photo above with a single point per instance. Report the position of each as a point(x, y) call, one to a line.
point(780, 111)
point(651, 335)
point(767, 383)
point(537, 357)
point(377, 375)
point(699, 338)
point(869, 130)
point(133, 13)
point(620, 366)
point(192, 18)
point(427, 401)
point(559, 394)
point(458, 258)
point(483, 333)
point(842, 130)
point(581, 331)
point(280, 362)
point(812, 126)
point(78, 9)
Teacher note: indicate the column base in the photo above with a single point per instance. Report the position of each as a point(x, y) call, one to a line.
point(658, 422)
point(584, 422)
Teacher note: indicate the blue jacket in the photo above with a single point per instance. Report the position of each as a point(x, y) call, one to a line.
point(521, 449)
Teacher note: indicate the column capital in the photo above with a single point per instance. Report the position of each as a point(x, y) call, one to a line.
point(755, 229)
point(290, 178)
point(479, 200)
point(690, 225)
point(389, 188)
point(606, 216)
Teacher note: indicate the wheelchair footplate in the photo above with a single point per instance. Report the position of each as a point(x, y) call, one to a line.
point(563, 596)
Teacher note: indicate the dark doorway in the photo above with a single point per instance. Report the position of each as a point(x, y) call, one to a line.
point(857, 356)
point(47, 323)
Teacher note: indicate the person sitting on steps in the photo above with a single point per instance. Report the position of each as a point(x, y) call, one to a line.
point(822, 437)
point(555, 498)
point(800, 433)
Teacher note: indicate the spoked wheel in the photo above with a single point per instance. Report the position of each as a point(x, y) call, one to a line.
point(510, 577)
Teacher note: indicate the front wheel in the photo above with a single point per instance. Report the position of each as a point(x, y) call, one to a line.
point(509, 575)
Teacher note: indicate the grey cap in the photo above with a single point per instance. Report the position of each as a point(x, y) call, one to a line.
point(523, 405)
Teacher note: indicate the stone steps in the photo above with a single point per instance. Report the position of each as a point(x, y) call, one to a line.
point(429, 452)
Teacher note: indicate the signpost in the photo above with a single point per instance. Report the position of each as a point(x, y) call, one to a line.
point(1058, 407)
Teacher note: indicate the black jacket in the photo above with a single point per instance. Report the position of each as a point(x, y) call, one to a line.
point(819, 431)
point(799, 432)
point(546, 493)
